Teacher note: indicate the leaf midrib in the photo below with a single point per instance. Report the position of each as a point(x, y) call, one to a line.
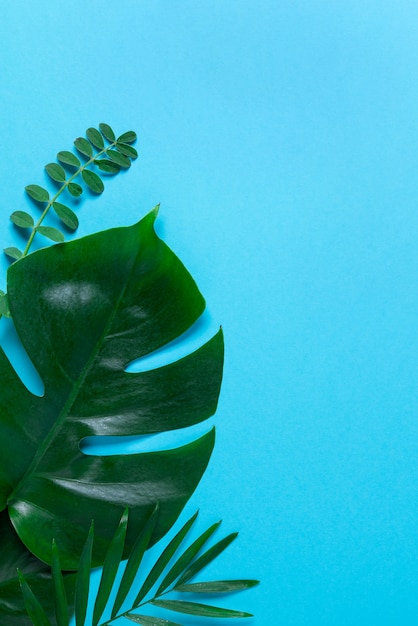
point(62, 415)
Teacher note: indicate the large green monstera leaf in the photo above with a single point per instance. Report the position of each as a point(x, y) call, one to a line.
point(84, 310)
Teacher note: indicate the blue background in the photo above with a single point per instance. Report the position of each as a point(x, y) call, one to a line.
point(281, 138)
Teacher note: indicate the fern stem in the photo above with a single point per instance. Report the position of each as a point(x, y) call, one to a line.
point(59, 192)
point(134, 608)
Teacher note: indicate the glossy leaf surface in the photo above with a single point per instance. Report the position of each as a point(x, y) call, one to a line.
point(83, 311)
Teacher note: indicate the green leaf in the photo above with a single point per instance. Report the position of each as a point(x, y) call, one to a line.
point(56, 172)
point(4, 305)
point(107, 166)
point(186, 558)
point(75, 189)
point(38, 575)
point(128, 151)
point(118, 158)
point(66, 215)
point(146, 620)
point(134, 561)
point(68, 158)
point(207, 558)
point(33, 606)
point(82, 586)
point(37, 193)
point(51, 233)
point(217, 586)
point(22, 219)
point(107, 132)
point(110, 568)
point(194, 608)
point(83, 146)
point(128, 137)
point(93, 181)
point(95, 138)
point(163, 560)
point(61, 604)
point(98, 303)
point(13, 253)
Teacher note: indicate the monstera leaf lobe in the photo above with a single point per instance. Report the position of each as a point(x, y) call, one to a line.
point(83, 311)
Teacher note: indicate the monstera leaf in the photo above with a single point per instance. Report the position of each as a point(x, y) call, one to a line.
point(84, 310)
point(15, 556)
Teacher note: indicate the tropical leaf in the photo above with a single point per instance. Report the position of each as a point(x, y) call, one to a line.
point(15, 556)
point(134, 561)
point(110, 568)
point(82, 585)
point(186, 558)
point(206, 558)
point(164, 560)
point(109, 579)
point(196, 608)
point(83, 311)
point(217, 586)
point(146, 620)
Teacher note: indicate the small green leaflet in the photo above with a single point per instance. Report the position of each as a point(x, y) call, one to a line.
point(107, 166)
point(128, 137)
point(128, 151)
point(75, 189)
point(37, 193)
point(107, 132)
point(22, 219)
point(66, 215)
point(56, 172)
point(68, 158)
point(118, 158)
point(93, 181)
point(13, 253)
point(83, 146)
point(95, 138)
point(51, 233)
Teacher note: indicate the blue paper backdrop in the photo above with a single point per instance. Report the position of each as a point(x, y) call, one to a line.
point(281, 138)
